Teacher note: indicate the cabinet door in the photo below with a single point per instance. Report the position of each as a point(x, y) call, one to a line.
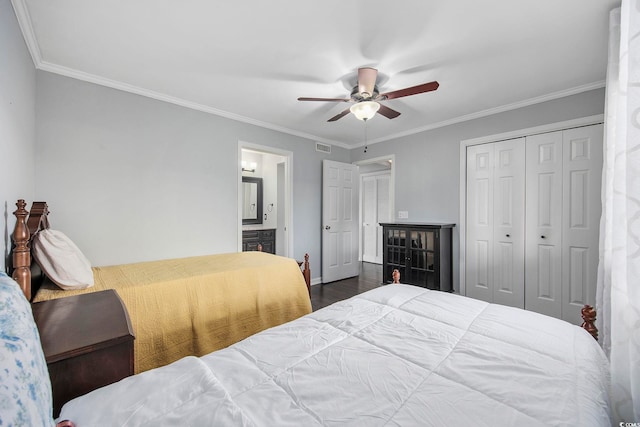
point(421, 262)
point(581, 207)
point(543, 265)
point(395, 254)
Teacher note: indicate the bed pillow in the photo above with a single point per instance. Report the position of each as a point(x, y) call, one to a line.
point(25, 388)
point(61, 260)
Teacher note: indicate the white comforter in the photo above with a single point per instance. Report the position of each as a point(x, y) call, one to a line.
point(398, 355)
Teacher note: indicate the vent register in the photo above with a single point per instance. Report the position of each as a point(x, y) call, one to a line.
point(324, 148)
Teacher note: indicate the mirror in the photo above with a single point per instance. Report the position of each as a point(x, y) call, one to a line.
point(251, 200)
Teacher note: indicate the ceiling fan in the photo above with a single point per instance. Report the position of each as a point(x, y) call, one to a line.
point(366, 97)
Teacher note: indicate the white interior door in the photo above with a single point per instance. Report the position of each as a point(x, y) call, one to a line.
point(384, 209)
point(543, 265)
point(375, 209)
point(508, 222)
point(582, 176)
point(369, 219)
point(495, 222)
point(479, 252)
point(532, 221)
point(339, 221)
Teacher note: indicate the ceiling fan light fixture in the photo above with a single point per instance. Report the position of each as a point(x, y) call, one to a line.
point(365, 110)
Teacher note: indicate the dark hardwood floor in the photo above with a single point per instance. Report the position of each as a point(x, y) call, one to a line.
point(370, 277)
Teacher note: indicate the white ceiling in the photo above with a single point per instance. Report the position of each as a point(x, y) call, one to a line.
point(250, 60)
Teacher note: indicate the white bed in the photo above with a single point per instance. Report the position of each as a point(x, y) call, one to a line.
point(398, 355)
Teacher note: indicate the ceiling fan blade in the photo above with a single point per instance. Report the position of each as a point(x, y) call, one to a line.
point(367, 81)
point(388, 112)
point(339, 116)
point(325, 99)
point(414, 90)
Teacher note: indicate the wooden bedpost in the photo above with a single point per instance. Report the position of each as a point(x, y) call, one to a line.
point(306, 272)
point(21, 254)
point(395, 275)
point(589, 317)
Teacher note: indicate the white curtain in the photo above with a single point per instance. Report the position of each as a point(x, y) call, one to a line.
point(618, 290)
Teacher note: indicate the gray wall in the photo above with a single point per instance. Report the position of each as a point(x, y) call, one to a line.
point(427, 165)
point(17, 122)
point(133, 179)
point(130, 178)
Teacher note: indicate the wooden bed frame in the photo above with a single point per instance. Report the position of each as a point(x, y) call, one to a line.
point(26, 273)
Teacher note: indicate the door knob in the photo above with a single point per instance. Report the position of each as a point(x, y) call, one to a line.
point(508, 235)
point(542, 237)
point(327, 227)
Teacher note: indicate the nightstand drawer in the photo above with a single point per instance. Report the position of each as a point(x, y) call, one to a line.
point(87, 341)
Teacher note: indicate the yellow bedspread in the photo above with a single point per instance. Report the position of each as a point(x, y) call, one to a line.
point(193, 306)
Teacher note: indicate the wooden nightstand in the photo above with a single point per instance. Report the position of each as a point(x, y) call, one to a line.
point(87, 341)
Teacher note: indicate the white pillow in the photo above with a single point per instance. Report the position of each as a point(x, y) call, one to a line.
point(61, 260)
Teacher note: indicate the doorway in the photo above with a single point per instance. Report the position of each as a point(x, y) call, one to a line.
point(273, 166)
point(376, 205)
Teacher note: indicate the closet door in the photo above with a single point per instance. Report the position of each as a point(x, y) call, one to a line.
point(369, 219)
point(508, 223)
point(543, 260)
point(375, 209)
point(495, 222)
point(479, 247)
point(581, 206)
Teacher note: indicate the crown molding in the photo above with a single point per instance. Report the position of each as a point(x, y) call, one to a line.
point(114, 84)
point(491, 111)
point(24, 21)
point(26, 26)
point(550, 127)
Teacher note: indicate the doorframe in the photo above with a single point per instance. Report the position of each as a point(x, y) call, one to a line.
point(551, 127)
point(392, 193)
point(288, 190)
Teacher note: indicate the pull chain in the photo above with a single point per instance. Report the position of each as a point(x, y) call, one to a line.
point(365, 135)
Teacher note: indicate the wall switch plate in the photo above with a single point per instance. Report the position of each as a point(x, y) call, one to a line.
point(403, 214)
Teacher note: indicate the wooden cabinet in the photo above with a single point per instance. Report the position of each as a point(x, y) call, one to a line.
point(422, 252)
point(87, 341)
point(252, 238)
